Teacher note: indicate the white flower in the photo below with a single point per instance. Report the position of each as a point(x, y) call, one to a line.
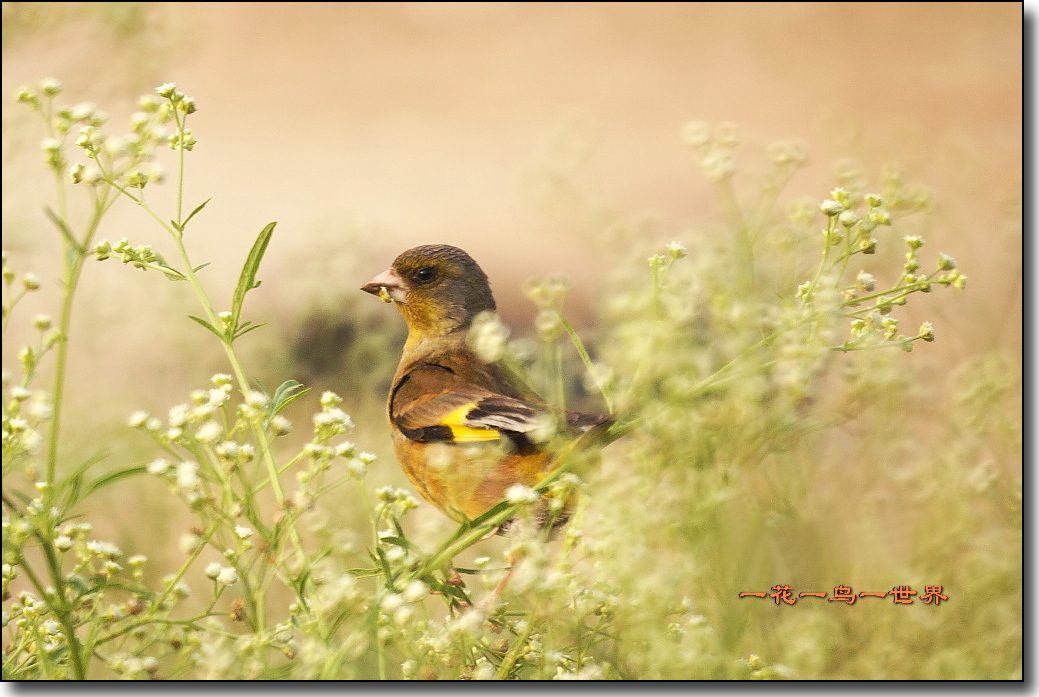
point(83, 111)
point(520, 493)
point(848, 218)
point(484, 671)
point(218, 395)
point(40, 408)
point(243, 532)
point(391, 602)
point(696, 133)
point(676, 250)
point(255, 398)
point(341, 417)
point(717, 165)
point(329, 399)
point(50, 86)
point(187, 476)
point(488, 337)
point(137, 419)
point(468, 623)
point(213, 570)
point(91, 174)
point(831, 208)
point(280, 425)
point(208, 432)
point(158, 467)
point(104, 549)
point(416, 590)
point(227, 577)
point(189, 542)
point(179, 415)
point(356, 468)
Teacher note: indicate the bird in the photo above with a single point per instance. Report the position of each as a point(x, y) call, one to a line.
point(464, 430)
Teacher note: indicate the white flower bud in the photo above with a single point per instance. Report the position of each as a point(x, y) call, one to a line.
point(520, 493)
point(227, 577)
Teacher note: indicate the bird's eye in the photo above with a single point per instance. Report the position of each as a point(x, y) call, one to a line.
point(426, 274)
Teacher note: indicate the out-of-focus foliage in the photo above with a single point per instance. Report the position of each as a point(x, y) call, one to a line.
point(774, 435)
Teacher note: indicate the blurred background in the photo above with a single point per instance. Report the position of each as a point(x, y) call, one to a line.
point(365, 129)
point(508, 129)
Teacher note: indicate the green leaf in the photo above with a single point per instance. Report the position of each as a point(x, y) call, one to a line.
point(300, 584)
point(364, 573)
point(113, 477)
point(287, 393)
point(248, 327)
point(193, 213)
point(207, 325)
point(24, 498)
point(70, 239)
point(454, 591)
point(399, 541)
point(74, 481)
point(586, 359)
point(172, 273)
point(247, 280)
point(490, 513)
point(201, 266)
point(621, 428)
point(382, 560)
point(77, 583)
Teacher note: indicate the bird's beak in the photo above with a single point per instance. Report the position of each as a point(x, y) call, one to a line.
point(388, 286)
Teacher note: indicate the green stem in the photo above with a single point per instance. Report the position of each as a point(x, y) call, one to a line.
point(586, 359)
point(9, 309)
point(462, 541)
point(380, 654)
point(59, 604)
point(716, 375)
point(70, 284)
point(243, 382)
point(515, 650)
point(211, 316)
point(830, 226)
point(206, 536)
point(902, 291)
point(180, 165)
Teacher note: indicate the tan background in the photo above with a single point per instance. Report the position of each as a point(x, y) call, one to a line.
point(366, 129)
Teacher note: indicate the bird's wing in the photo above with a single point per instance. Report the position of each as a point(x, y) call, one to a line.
point(432, 404)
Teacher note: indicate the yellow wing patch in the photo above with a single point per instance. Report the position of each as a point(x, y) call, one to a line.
point(467, 434)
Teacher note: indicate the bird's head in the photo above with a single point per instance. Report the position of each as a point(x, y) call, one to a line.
point(438, 288)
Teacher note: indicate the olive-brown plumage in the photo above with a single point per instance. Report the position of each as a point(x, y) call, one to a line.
point(464, 430)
